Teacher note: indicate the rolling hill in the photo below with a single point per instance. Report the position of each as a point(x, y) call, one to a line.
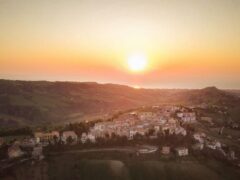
point(40, 102)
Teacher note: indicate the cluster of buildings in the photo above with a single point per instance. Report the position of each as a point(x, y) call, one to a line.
point(19, 149)
point(164, 120)
point(33, 146)
point(159, 120)
point(187, 117)
point(54, 136)
point(203, 141)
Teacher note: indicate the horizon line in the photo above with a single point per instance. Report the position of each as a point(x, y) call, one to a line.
point(108, 83)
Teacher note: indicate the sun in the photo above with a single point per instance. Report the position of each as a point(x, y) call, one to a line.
point(137, 62)
point(136, 87)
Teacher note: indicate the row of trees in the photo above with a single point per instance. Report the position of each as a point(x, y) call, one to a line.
point(172, 140)
point(27, 131)
point(79, 128)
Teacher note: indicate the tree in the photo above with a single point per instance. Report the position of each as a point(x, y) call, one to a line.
point(69, 140)
point(55, 139)
point(137, 137)
point(150, 132)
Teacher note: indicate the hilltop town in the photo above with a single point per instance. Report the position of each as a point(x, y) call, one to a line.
point(170, 131)
point(42, 121)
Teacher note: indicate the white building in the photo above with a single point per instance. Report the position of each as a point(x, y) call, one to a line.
point(199, 137)
point(89, 137)
point(131, 134)
point(145, 115)
point(181, 131)
point(182, 151)
point(214, 145)
point(84, 138)
point(187, 117)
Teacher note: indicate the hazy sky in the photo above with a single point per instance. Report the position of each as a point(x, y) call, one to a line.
point(187, 43)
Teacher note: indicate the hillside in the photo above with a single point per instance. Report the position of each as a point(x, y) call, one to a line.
point(41, 102)
point(234, 91)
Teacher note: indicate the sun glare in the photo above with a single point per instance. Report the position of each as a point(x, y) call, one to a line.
point(137, 62)
point(136, 87)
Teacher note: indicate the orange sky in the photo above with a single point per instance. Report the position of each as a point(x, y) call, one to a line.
point(188, 43)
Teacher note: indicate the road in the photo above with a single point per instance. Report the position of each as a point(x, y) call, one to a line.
point(128, 149)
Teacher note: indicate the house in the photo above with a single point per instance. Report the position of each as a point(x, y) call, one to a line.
point(161, 121)
point(168, 128)
point(145, 115)
point(89, 137)
point(165, 150)
point(37, 153)
point(141, 131)
point(84, 137)
point(172, 121)
point(213, 145)
point(182, 151)
point(14, 151)
point(187, 117)
point(199, 137)
point(156, 128)
point(69, 134)
point(131, 134)
point(180, 130)
point(46, 137)
point(231, 155)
